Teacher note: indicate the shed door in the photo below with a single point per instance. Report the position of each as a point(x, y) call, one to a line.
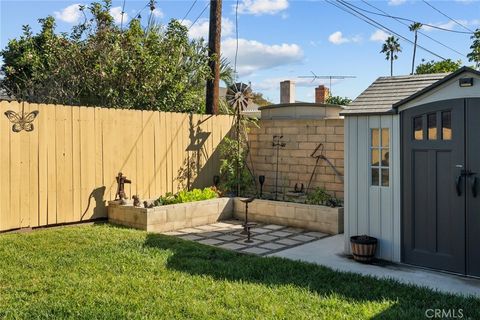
point(434, 189)
point(473, 186)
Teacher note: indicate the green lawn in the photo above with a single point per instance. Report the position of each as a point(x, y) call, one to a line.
point(105, 272)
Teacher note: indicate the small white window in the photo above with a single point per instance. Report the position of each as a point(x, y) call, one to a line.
point(380, 157)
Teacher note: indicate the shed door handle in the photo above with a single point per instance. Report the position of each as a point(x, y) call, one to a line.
point(473, 181)
point(458, 187)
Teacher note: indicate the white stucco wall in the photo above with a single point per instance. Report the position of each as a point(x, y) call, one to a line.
point(372, 210)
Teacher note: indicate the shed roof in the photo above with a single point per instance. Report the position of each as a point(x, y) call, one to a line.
point(384, 92)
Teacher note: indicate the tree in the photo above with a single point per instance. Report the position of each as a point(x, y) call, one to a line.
point(100, 63)
point(342, 101)
point(438, 66)
point(474, 55)
point(391, 47)
point(414, 27)
point(260, 100)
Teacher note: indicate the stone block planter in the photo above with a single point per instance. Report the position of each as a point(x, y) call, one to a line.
point(193, 214)
point(170, 217)
point(310, 217)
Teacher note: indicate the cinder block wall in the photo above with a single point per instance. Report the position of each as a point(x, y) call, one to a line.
point(294, 163)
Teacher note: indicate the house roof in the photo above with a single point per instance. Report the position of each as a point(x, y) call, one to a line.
point(384, 92)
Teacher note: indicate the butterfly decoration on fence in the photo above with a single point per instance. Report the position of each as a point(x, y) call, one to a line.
point(21, 121)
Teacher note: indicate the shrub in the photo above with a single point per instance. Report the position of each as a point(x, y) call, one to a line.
point(186, 196)
point(321, 197)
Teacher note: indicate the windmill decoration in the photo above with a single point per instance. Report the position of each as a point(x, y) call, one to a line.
point(238, 96)
point(21, 121)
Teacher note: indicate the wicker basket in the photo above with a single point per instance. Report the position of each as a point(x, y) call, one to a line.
point(363, 248)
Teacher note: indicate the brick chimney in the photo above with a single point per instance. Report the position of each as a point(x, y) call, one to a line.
point(321, 94)
point(287, 91)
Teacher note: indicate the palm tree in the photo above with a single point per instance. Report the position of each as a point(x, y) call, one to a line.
point(390, 48)
point(414, 27)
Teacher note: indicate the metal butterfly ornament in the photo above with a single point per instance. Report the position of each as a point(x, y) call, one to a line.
point(21, 121)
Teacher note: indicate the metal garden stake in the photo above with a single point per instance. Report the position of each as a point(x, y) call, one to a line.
point(247, 225)
point(278, 144)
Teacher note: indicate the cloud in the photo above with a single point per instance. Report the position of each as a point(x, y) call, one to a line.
point(70, 14)
point(116, 13)
point(450, 25)
point(396, 2)
point(259, 7)
point(379, 36)
point(158, 13)
point(254, 55)
point(200, 28)
point(338, 38)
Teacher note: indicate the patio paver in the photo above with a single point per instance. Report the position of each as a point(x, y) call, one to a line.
point(266, 239)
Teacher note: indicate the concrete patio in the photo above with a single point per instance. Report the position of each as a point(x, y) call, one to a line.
point(329, 252)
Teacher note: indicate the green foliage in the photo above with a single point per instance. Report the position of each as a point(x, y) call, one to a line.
point(391, 47)
point(233, 155)
point(186, 196)
point(474, 55)
point(259, 99)
point(342, 101)
point(438, 66)
point(105, 272)
point(99, 63)
point(197, 195)
point(321, 197)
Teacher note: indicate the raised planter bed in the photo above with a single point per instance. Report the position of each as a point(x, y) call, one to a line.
point(170, 217)
point(311, 217)
point(185, 215)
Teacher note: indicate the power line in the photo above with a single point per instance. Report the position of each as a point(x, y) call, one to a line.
point(409, 20)
point(195, 21)
point(139, 12)
point(443, 14)
point(190, 9)
point(346, 7)
point(422, 33)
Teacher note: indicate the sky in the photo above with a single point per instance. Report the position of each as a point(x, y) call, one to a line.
point(284, 39)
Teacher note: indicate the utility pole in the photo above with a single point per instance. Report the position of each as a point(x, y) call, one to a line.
point(214, 37)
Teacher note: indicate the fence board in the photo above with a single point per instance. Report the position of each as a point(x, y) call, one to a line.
point(15, 215)
point(64, 171)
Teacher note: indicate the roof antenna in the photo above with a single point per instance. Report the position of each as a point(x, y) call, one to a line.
point(329, 77)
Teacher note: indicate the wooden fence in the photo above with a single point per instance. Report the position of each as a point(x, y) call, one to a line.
point(64, 170)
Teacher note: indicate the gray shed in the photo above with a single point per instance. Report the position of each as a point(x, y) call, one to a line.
point(412, 169)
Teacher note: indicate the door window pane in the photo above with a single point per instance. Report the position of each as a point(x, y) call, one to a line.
point(418, 128)
point(385, 138)
point(375, 157)
point(432, 126)
point(375, 177)
point(385, 158)
point(375, 138)
point(447, 125)
point(385, 177)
